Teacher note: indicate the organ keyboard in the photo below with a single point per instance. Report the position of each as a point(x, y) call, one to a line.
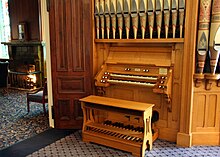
point(120, 124)
point(155, 77)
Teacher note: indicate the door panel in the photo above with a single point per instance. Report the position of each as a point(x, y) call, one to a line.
point(71, 52)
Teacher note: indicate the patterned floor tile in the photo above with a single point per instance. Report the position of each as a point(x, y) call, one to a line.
point(72, 146)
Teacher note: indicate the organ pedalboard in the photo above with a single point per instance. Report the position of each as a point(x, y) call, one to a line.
point(121, 124)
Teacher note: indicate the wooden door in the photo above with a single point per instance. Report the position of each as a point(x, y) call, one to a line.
point(71, 52)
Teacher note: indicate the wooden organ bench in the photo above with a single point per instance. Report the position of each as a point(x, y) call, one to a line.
point(121, 124)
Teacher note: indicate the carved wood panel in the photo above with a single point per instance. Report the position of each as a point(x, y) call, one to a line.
point(70, 25)
point(206, 112)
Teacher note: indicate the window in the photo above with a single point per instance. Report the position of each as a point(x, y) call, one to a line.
point(4, 28)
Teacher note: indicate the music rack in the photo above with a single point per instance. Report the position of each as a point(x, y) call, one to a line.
point(121, 124)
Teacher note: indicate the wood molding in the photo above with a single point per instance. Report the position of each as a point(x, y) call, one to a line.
point(188, 71)
point(184, 140)
point(206, 138)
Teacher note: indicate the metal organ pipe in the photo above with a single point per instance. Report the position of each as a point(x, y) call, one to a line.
point(143, 16)
point(113, 18)
point(113, 13)
point(174, 16)
point(97, 18)
point(159, 9)
point(203, 34)
point(167, 7)
point(101, 13)
point(127, 12)
point(181, 15)
point(134, 16)
point(120, 7)
point(151, 10)
point(107, 17)
point(214, 43)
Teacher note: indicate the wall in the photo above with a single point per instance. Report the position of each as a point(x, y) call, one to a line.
point(25, 11)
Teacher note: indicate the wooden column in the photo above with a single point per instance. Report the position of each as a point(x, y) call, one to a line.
point(184, 136)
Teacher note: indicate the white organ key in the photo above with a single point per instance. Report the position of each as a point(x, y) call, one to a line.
point(132, 83)
point(133, 76)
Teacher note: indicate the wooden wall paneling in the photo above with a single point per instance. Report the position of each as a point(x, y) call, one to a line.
point(211, 111)
point(176, 101)
point(25, 11)
point(71, 58)
point(184, 137)
point(206, 117)
point(78, 55)
point(64, 109)
point(71, 84)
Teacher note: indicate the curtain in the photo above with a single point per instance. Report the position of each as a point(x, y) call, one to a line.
point(4, 28)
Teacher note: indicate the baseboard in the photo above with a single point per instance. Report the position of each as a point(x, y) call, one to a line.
point(184, 140)
point(198, 138)
point(206, 138)
point(168, 134)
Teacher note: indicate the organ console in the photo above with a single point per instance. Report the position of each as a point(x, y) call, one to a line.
point(120, 124)
point(157, 78)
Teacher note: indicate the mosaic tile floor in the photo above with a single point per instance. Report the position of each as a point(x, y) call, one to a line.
point(15, 123)
point(72, 146)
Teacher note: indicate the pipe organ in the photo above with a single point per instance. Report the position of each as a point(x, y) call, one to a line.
point(141, 55)
point(208, 43)
point(139, 14)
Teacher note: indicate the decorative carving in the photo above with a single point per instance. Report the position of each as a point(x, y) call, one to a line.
point(210, 78)
point(198, 79)
point(101, 91)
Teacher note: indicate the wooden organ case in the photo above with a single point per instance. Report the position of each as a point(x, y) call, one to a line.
point(139, 61)
point(143, 52)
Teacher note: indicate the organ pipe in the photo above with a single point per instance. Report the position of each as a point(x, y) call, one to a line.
point(167, 7)
point(174, 16)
